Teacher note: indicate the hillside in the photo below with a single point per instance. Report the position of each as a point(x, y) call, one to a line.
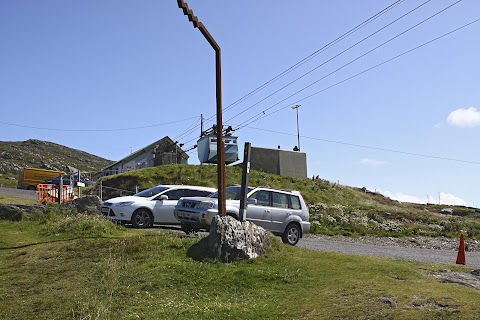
point(334, 209)
point(43, 154)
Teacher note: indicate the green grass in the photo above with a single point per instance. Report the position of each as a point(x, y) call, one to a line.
point(85, 272)
point(15, 200)
point(8, 183)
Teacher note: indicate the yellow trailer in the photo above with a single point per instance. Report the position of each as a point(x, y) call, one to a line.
point(29, 178)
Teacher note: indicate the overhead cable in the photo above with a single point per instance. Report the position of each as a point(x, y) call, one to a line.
point(373, 148)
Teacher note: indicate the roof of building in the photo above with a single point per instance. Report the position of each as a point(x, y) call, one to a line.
point(147, 149)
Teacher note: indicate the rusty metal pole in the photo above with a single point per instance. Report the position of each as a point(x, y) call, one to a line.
point(221, 175)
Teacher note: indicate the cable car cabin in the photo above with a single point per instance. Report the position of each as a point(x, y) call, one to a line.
point(207, 149)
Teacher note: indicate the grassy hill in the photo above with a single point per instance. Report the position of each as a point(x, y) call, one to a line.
point(334, 209)
point(43, 154)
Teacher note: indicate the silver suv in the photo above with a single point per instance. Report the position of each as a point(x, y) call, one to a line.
point(283, 212)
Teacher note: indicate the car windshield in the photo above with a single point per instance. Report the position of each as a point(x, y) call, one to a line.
point(233, 193)
point(151, 192)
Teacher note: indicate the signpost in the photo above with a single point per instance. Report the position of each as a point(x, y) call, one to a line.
point(244, 188)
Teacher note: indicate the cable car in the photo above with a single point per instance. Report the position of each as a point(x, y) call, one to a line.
point(207, 149)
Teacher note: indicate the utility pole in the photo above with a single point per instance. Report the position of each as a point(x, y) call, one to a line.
point(221, 175)
point(298, 128)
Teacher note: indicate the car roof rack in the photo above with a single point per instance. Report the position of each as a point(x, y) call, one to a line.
point(290, 190)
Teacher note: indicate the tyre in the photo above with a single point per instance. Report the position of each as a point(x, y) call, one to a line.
point(188, 229)
point(292, 234)
point(142, 219)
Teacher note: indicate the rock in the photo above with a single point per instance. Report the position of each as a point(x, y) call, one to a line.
point(71, 170)
point(86, 204)
point(447, 211)
point(476, 272)
point(15, 212)
point(6, 155)
point(389, 301)
point(231, 240)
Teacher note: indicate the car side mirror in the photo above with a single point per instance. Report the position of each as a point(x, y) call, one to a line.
point(251, 201)
point(163, 197)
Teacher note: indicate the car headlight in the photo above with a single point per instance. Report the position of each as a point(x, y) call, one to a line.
point(123, 204)
point(206, 205)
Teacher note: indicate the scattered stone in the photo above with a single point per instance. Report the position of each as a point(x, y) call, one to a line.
point(389, 301)
point(231, 240)
point(6, 155)
point(447, 211)
point(462, 278)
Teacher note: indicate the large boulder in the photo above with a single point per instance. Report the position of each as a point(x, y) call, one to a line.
point(86, 204)
point(231, 240)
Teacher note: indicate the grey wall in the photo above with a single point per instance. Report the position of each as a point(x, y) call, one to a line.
point(281, 162)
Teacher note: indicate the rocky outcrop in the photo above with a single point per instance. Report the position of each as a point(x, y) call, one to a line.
point(86, 204)
point(15, 212)
point(231, 240)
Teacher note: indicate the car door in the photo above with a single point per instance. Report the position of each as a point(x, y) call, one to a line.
point(280, 210)
point(163, 209)
point(260, 213)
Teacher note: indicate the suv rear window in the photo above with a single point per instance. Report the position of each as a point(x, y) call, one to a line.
point(294, 202)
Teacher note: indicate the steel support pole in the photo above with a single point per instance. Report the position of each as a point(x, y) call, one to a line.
point(221, 175)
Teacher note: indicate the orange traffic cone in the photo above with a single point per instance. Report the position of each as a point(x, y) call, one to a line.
point(461, 251)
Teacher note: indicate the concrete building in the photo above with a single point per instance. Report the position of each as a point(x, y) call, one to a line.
point(163, 151)
point(277, 161)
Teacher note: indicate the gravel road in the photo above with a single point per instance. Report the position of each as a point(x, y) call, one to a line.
point(27, 194)
point(437, 250)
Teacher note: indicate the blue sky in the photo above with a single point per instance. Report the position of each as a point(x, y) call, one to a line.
point(108, 77)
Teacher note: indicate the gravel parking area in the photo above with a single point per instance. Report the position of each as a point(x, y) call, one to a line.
point(437, 250)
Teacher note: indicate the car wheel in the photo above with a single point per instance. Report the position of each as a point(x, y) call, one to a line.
point(142, 219)
point(291, 234)
point(188, 229)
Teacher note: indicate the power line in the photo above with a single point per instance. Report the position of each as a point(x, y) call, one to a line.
point(373, 148)
point(263, 114)
point(190, 129)
point(311, 56)
point(342, 52)
point(95, 130)
point(317, 52)
point(354, 76)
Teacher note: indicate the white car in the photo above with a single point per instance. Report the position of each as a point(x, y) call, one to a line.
point(154, 205)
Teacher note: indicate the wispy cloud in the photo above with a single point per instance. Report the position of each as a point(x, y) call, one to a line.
point(372, 162)
point(464, 118)
point(445, 198)
point(448, 198)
